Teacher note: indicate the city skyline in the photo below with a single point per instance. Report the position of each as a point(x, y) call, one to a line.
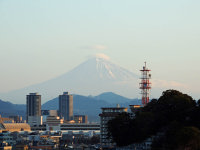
point(51, 38)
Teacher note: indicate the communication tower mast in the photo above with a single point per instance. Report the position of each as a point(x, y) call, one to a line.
point(145, 84)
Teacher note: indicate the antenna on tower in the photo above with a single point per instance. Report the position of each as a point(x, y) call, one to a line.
point(145, 84)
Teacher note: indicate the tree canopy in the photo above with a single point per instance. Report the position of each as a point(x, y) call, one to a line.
point(174, 114)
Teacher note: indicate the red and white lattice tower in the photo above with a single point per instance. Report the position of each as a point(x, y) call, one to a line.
point(145, 84)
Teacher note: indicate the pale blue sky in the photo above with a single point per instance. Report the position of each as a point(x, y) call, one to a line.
point(41, 39)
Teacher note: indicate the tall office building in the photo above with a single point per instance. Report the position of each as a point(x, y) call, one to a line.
point(66, 106)
point(33, 109)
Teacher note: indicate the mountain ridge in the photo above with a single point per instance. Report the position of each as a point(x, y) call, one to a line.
point(91, 106)
point(111, 97)
point(81, 105)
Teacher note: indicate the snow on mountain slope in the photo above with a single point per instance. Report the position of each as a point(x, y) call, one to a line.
point(92, 77)
point(103, 69)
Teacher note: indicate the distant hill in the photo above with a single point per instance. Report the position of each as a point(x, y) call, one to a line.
point(86, 105)
point(82, 105)
point(7, 109)
point(112, 98)
point(91, 106)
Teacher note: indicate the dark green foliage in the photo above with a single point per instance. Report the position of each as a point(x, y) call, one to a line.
point(198, 102)
point(172, 116)
point(141, 126)
point(121, 127)
point(188, 138)
point(178, 137)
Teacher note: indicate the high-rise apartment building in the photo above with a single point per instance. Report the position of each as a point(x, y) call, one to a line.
point(66, 106)
point(33, 109)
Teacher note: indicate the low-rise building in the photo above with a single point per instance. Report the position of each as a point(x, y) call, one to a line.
point(46, 113)
point(5, 146)
point(34, 120)
point(81, 118)
point(5, 137)
point(53, 123)
point(12, 127)
point(6, 120)
point(16, 118)
point(80, 127)
point(21, 147)
point(39, 128)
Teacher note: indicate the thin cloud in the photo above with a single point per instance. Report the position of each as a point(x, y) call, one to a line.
point(96, 47)
point(99, 47)
point(101, 55)
point(167, 84)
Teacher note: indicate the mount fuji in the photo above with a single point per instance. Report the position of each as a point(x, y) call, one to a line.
point(94, 76)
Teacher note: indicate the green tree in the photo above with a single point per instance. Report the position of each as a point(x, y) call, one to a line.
point(178, 138)
point(120, 129)
point(188, 138)
point(167, 115)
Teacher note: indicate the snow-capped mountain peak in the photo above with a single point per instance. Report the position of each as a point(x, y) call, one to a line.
point(103, 68)
point(94, 76)
point(101, 56)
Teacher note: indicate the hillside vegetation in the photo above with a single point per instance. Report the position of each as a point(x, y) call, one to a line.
point(173, 119)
